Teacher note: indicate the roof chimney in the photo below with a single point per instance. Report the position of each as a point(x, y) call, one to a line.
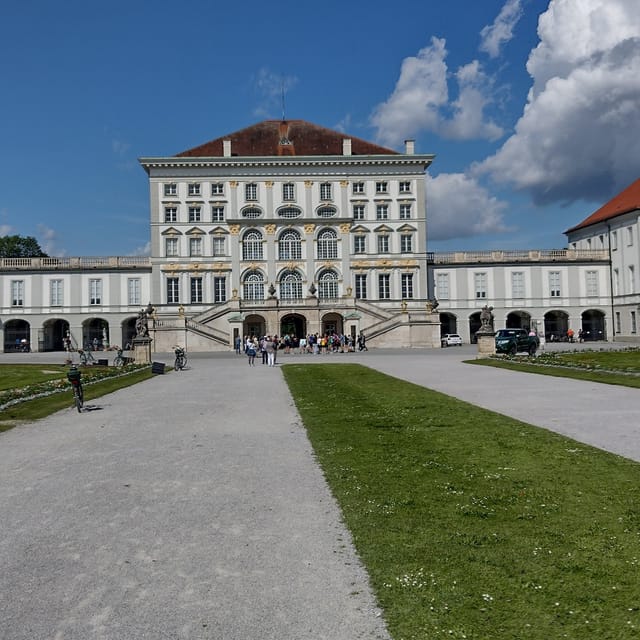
point(409, 147)
point(226, 148)
point(346, 146)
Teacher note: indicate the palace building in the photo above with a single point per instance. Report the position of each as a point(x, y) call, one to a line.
point(286, 227)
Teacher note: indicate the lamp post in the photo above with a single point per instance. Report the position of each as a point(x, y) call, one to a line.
point(182, 315)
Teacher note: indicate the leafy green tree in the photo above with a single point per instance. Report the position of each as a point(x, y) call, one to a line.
point(20, 247)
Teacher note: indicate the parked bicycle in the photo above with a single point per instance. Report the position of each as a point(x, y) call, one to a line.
point(119, 360)
point(181, 359)
point(86, 357)
point(74, 377)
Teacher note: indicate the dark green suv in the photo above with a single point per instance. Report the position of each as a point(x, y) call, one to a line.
point(514, 340)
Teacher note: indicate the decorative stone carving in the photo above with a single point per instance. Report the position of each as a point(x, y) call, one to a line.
point(234, 229)
point(345, 227)
point(308, 183)
point(233, 184)
point(309, 228)
point(270, 229)
point(269, 184)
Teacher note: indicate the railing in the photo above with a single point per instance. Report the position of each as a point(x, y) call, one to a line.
point(99, 262)
point(526, 255)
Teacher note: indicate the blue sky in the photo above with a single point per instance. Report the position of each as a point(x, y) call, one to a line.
point(532, 107)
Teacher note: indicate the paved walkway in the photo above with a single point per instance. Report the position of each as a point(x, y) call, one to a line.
point(149, 517)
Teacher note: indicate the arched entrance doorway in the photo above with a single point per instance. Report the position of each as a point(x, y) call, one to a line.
point(53, 334)
point(518, 320)
point(294, 325)
point(448, 323)
point(556, 325)
point(474, 326)
point(17, 335)
point(95, 332)
point(254, 325)
point(593, 325)
point(128, 331)
point(332, 323)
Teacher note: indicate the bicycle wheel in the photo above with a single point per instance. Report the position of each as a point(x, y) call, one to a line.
point(118, 361)
point(78, 396)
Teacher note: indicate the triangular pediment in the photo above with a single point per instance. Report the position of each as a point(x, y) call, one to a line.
point(194, 231)
point(360, 228)
point(171, 231)
point(216, 231)
point(383, 228)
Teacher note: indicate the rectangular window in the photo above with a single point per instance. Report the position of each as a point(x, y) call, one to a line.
point(384, 286)
point(589, 244)
point(173, 291)
point(618, 329)
point(196, 290)
point(632, 279)
point(616, 282)
point(171, 247)
point(407, 285)
point(194, 214)
point(406, 243)
point(614, 241)
point(358, 188)
point(480, 285)
point(517, 284)
point(17, 293)
point(95, 291)
point(171, 214)
point(554, 284)
point(383, 244)
point(195, 246)
point(601, 241)
point(325, 191)
point(381, 187)
point(634, 326)
point(219, 289)
point(361, 286)
point(359, 244)
point(217, 189)
point(217, 214)
point(404, 186)
point(405, 211)
point(194, 189)
point(56, 293)
point(629, 236)
point(218, 246)
point(133, 291)
point(592, 283)
point(251, 192)
point(382, 211)
point(171, 189)
point(358, 212)
point(288, 191)
point(442, 286)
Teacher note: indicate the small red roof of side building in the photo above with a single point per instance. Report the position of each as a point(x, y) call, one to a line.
point(285, 138)
point(626, 201)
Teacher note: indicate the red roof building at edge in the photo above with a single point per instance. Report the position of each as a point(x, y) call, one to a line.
point(626, 201)
point(285, 138)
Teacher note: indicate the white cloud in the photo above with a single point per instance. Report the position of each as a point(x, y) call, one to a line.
point(144, 250)
point(501, 31)
point(48, 241)
point(6, 230)
point(458, 206)
point(420, 101)
point(579, 135)
point(270, 86)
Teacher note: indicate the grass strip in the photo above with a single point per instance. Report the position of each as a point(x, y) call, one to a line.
point(41, 407)
point(471, 524)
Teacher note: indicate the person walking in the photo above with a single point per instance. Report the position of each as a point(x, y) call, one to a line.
point(251, 352)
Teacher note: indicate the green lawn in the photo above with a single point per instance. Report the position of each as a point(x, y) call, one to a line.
point(26, 380)
point(609, 367)
point(471, 524)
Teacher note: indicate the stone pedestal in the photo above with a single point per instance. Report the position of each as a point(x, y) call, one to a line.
point(141, 347)
point(486, 343)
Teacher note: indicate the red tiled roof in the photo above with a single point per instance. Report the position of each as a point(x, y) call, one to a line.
point(285, 138)
point(625, 201)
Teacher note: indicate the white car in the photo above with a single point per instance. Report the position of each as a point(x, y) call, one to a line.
point(451, 340)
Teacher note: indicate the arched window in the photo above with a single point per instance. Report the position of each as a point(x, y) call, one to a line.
point(328, 284)
point(254, 286)
point(291, 286)
point(251, 212)
point(252, 245)
point(289, 212)
point(327, 245)
point(290, 246)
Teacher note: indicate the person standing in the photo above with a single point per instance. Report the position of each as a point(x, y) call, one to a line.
point(251, 352)
point(271, 352)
